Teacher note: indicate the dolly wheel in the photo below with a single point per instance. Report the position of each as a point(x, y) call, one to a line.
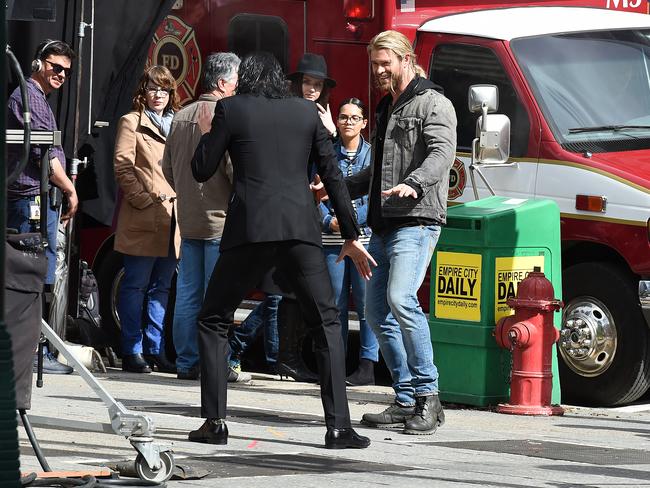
point(156, 475)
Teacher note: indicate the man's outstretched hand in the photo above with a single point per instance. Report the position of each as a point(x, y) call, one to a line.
point(359, 256)
point(402, 190)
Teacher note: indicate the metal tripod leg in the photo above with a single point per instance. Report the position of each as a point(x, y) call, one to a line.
point(154, 462)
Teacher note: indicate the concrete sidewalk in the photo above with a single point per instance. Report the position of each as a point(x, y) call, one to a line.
point(276, 439)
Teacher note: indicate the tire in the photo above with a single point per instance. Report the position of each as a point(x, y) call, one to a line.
point(614, 368)
point(109, 274)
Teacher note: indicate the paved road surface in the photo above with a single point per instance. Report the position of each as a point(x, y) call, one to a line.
point(276, 439)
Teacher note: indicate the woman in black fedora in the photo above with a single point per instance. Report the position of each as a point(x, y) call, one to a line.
point(310, 81)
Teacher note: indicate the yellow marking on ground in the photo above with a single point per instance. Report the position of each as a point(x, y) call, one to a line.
point(276, 433)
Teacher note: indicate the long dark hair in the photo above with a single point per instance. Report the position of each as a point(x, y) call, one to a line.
point(296, 89)
point(261, 74)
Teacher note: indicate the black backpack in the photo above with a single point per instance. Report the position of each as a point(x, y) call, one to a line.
point(87, 326)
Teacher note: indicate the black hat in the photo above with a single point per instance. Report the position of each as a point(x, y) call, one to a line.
point(313, 65)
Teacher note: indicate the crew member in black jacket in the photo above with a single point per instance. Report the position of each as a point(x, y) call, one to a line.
point(272, 222)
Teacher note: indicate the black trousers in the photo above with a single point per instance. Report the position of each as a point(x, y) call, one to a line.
point(236, 273)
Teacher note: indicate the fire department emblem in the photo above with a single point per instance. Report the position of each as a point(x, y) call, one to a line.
point(457, 180)
point(174, 46)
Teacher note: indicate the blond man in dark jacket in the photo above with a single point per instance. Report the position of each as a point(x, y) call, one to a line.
point(413, 144)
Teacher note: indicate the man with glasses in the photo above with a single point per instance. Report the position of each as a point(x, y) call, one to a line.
point(50, 69)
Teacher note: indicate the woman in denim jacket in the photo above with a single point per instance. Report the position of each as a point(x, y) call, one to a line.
point(353, 155)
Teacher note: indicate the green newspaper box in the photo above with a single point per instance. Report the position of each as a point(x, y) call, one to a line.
point(484, 251)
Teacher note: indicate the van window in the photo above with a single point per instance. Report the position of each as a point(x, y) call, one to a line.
point(458, 66)
point(593, 87)
point(248, 33)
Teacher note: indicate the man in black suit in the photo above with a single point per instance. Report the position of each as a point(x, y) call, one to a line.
point(272, 221)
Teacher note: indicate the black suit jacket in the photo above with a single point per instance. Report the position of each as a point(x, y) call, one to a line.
point(269, 142)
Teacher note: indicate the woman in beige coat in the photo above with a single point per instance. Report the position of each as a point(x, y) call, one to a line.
point(146, 233)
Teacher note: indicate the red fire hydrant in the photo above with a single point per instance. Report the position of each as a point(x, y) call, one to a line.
point(530, 335)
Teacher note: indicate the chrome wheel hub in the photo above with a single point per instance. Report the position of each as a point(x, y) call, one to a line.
point(588, 337)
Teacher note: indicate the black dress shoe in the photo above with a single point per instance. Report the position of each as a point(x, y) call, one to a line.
point(345, 439)
point(135, 363)
point(213, 431)
point(160, 362)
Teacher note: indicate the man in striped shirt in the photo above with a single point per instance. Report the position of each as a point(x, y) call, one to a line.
point(50, 69)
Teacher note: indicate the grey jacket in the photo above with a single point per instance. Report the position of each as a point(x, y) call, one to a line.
point(201, 206)
point(419, 150)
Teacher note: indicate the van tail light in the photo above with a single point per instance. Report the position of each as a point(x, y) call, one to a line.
point(359, 9)
point(591, 203)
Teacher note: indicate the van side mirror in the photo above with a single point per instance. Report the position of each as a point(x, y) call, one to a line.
point(491, 147)
point(480, 95)
point(492, 139)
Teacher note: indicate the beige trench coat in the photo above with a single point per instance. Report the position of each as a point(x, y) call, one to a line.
point(144, 224)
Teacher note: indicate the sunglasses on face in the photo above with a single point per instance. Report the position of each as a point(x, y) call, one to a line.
point(57, 68)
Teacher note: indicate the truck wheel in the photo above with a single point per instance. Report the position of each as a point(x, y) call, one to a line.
point(604, 343)
point(109, 275)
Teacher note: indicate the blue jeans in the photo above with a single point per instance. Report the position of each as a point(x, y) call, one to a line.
point(147, 278)
point(344, 276)
point(394, 313)
point(18, 218)
point(265, 314)
point(198, 258)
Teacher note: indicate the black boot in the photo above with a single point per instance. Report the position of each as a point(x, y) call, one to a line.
point(427, 418)
point(160, 362)
point(393, 416)
point(364, 375)
point(213, 431)
point(135, 363)
point(345, 439)
point(291, 329)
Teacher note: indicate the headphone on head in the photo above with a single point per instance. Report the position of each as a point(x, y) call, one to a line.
point(37, 64)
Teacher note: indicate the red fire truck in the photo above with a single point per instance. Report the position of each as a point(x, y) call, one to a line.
point(575, 84)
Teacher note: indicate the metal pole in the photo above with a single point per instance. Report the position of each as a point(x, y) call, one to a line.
point(92, 64)
point(79, 69)
point(71, 230)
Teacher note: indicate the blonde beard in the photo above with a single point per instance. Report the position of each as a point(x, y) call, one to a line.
point(395, 82)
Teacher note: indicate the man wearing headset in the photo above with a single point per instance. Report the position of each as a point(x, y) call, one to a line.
point(50, 69)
